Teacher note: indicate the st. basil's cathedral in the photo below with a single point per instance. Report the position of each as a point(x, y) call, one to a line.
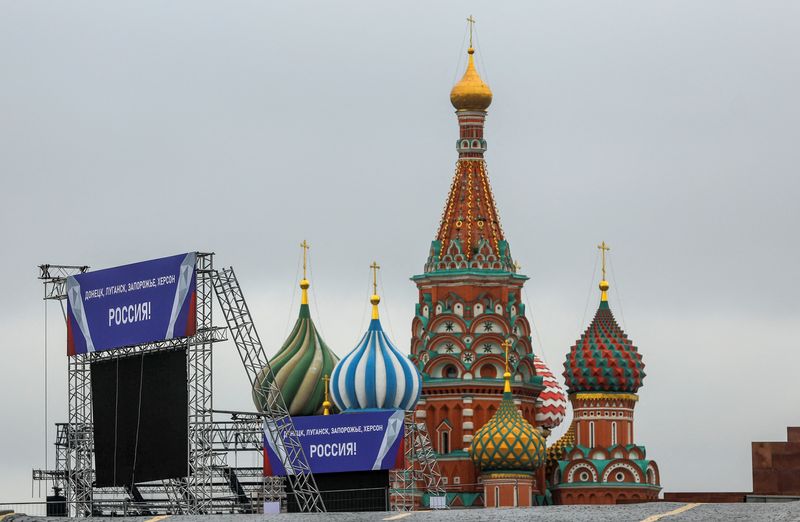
point(487, 400)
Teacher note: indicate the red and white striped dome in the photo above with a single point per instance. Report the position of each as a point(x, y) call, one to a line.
point(551, 406)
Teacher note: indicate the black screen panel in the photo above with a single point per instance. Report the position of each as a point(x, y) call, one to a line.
point(140, 418)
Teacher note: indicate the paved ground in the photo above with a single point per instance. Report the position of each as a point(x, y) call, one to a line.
point(666, 511)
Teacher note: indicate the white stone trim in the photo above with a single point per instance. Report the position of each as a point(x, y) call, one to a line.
point(637, 474)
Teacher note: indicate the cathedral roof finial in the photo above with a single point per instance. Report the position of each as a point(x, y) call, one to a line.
point(304, 284)
point(471, 22)
point(326, 404)
point(604, 286)
point(507, 375)
point(375, 299)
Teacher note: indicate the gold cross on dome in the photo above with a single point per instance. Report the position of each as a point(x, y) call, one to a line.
point(506, 346)
point(603, 249)
point(326, 403)
point(305, 246)
point(471, 22)
point(375, 267)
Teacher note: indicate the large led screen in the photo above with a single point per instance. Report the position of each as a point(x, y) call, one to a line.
point(140, 413)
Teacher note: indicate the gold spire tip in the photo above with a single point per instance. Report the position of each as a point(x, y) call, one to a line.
point(507, 375)
point(604, 286)
point(326, 404)
point(471, 22)
point(375, 299)
point(304, 284)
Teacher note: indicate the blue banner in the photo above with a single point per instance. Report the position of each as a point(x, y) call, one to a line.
point(132, 304)
point(361, 441)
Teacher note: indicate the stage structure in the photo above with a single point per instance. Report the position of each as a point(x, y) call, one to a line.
point(210, 485)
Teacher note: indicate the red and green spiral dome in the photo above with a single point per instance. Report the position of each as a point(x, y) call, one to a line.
point(603, 359)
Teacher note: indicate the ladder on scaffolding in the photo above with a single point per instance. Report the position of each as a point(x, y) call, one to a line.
point(280, 427)
point(420, 468)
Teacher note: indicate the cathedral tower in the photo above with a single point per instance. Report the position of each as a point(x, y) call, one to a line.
point(470, 304)
point(598, 462)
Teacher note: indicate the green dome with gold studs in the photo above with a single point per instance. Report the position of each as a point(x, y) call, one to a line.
point(508, 442)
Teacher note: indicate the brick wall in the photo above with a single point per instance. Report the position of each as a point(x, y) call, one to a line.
point(776, 465)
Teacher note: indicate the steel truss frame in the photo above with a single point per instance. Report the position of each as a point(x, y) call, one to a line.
point(78, 467)
point(421, 470)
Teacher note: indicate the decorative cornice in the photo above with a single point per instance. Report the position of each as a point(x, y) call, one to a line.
point(584, 396)
point(461, 275)
point(506, 475)
point(476, 387)
point(602, 485)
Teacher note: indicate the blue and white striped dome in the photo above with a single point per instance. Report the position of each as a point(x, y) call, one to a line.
point(375, 375)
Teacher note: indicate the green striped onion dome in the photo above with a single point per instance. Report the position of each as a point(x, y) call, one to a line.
point(508, 442)
point(604, 359)
point(299, 368)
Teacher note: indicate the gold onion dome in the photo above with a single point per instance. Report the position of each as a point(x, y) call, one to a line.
point(508, 442)
point(471, 93)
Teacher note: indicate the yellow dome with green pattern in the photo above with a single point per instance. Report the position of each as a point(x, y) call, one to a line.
point(508, 442)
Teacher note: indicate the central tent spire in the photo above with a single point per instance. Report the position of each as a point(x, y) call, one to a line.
point(470, 235)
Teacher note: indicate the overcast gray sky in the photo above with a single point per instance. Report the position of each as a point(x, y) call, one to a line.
point(133, 130)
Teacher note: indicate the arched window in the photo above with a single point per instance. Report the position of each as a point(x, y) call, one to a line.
point(591, 434)
point(497, 496)
point(443, 434)
point(450, 372)
point(488, 371)
point(613, 433)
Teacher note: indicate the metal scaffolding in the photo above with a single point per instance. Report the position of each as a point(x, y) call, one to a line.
point(199, 472)
point(420, 472)
point(78, 466)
